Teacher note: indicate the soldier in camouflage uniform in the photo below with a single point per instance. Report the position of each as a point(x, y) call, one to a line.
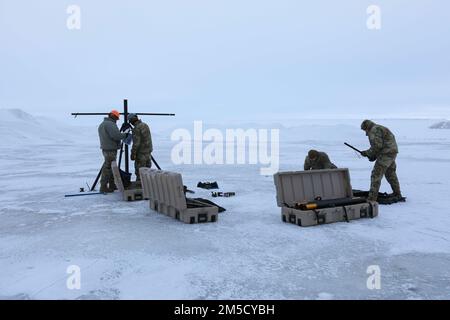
point(383, 149)
point(316, 160)
point(110, 139)
point(142, 145)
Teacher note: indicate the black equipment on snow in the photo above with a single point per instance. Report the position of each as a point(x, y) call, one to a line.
point(200, 202)
point(383, 197)
point(83, 194)
point(222, 194)
point(208, 185)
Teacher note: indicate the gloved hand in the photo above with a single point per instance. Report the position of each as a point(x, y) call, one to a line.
point(125, 127)
point(133, 156)
point(366, 154)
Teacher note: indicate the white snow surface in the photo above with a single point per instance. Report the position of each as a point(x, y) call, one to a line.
point(127, 251)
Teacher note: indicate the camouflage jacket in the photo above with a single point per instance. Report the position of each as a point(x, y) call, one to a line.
point(322, 162)
point(382, 142)
point(142, 139)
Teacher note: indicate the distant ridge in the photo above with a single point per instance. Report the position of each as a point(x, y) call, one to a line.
point(16, 114)
point(19, 127)
point(441, 125)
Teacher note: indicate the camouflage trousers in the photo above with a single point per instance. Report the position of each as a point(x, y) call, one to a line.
point(107, 174)
point(141, 161)
point(385, 166)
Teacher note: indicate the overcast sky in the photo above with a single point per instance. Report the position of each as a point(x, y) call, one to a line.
point(218, 59)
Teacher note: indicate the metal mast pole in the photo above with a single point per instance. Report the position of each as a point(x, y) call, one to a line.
point(125, 119)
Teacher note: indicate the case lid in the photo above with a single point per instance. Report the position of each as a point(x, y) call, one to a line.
point(117, 177)
point(147, 187)
point(304, 186)
point(164, 187)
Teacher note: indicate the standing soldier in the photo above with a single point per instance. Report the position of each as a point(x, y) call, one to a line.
point(383, 149)
point(141, 152)
point(110, 138)
point(316, 160)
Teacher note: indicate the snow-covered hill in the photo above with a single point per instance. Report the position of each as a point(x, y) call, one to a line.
point(441, 125)
point(20, 127)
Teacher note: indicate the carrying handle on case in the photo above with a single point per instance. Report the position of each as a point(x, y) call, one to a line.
point(346, 214)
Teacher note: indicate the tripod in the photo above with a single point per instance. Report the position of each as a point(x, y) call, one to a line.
point(120, 160)
point(125, 120)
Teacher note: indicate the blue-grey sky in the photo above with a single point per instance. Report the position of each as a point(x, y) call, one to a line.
point(209, 59)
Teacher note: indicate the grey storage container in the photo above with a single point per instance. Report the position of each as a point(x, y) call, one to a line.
point(165, 191)
point(295, 188)
point(133, 192)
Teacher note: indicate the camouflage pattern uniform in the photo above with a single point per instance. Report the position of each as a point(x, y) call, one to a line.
point(383, 147)
point(322, 161)
point(107, 178)
point(142, 147)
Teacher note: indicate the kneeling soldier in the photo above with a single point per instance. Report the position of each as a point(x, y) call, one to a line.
point(316, 160)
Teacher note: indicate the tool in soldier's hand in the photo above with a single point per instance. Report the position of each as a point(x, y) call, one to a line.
point(352, 147)
point(371, 159)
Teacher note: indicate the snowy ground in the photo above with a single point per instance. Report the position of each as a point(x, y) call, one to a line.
point(126, 251)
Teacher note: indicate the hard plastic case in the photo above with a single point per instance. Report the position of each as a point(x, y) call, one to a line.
point(133, 192)
point(295, 187)
point(165, 191)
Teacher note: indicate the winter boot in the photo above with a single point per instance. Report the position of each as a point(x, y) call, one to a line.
point(397, 194)
point(104, 188)
point(111, 187)
point(396, 197)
